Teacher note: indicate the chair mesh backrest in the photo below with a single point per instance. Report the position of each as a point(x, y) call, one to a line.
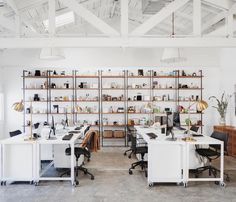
point(15, 133)
point(220, 136)
point(133, 141)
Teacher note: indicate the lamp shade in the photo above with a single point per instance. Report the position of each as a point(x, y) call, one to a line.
point(52, 54)
point(172, 55)
point(201, 105)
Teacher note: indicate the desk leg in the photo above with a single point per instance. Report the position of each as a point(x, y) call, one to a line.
point(37, 165)
point(222, 165)
point(186, 167)
point(3, 165)
point(72, 165)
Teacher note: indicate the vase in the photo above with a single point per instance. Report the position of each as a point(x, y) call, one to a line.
point(222, 121)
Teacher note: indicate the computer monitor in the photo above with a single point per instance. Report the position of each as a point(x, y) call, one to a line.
point(176, 119)
point(170, 125)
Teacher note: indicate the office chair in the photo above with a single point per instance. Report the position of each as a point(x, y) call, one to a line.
point(131, 130)
point(15, 133)
point(212, 153)
point(78, 152)
point(142, 150)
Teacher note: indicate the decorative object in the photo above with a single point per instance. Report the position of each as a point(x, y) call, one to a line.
point(18, 106)
point(221, 106)
point(201, 105)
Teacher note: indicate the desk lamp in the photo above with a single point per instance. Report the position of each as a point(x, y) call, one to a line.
point(201, 105)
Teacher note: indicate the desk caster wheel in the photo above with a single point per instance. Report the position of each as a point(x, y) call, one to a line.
point(4, 183)
point(31, 182)
point(125, 154)
point(185, 185)
point(151, 184)
point(222, 184)
point(36, 184)
point(130, 172)
point(92, 177)
point(1, 183)
point(217, 182)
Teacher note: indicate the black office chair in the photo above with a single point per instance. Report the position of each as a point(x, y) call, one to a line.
point(15, 133)
point(78, 152)
point(142, 150)
point(212, 153)
point(131, 131)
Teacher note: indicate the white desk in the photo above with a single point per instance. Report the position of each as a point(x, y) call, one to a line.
point(58, 141)
point(21, 159)
point(0, 163)
point(18, 159)
point(170, 161)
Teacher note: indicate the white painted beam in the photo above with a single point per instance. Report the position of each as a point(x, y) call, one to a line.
point(230, 25)
point(137, 42)
point(223, 4)
point(124, 25)
point(52, 17)
point(12, 4)
point(197, 18)
point(90, 17)
point(159, 17)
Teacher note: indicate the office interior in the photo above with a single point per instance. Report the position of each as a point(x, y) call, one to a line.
point(117, 100)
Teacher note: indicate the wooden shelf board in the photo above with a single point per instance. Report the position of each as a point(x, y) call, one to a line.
point(60, 77)
point(87, 89)
point(87, 76)
point(165, 77)
point(34, 77)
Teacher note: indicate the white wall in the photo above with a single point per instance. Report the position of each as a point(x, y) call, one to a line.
point(228, 80)
point(14, 61)
point(1, 91)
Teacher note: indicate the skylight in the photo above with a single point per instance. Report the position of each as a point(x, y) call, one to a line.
point(61, 20)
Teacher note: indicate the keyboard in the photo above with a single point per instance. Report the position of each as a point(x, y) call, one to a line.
point(78, 128)
point(67, 137)
point(73, 131)
point(152, 135)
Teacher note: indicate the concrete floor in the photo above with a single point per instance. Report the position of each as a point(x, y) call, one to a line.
point(113, 183)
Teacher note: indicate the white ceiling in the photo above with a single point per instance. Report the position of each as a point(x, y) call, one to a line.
point(33, 12)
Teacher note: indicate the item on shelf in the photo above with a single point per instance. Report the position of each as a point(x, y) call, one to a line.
point(120, 110)
point(28, 123)
point(37, 73)
point(140, 72)
point(115, 123)
point(67, 85)
point(36, 97)
point(54, 73)
point(131, 109)
point(108, 134)
point(194, 74)
point(183, 73)
point(139, 97)
point(63, 73)
point(130, 122)
point(55, 108)
point(29, 73)
point(27, 111)
point(118, 133)
point(53, 85)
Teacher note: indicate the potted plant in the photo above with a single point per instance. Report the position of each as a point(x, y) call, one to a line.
point(221, 106)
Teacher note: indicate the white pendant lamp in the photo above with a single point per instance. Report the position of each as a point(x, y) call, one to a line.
point(52, 54)
point(172, 55)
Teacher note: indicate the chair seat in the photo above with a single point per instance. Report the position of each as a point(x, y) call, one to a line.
point(141, 150)
point(207, 152)
point(78, 151)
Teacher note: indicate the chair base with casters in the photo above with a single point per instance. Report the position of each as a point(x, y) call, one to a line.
point(212, 171)
point(212, 153)
point(78, 152)
point(143, 164)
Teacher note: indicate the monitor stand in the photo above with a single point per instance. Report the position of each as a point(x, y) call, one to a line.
point(172, 138)
point(49, 136)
